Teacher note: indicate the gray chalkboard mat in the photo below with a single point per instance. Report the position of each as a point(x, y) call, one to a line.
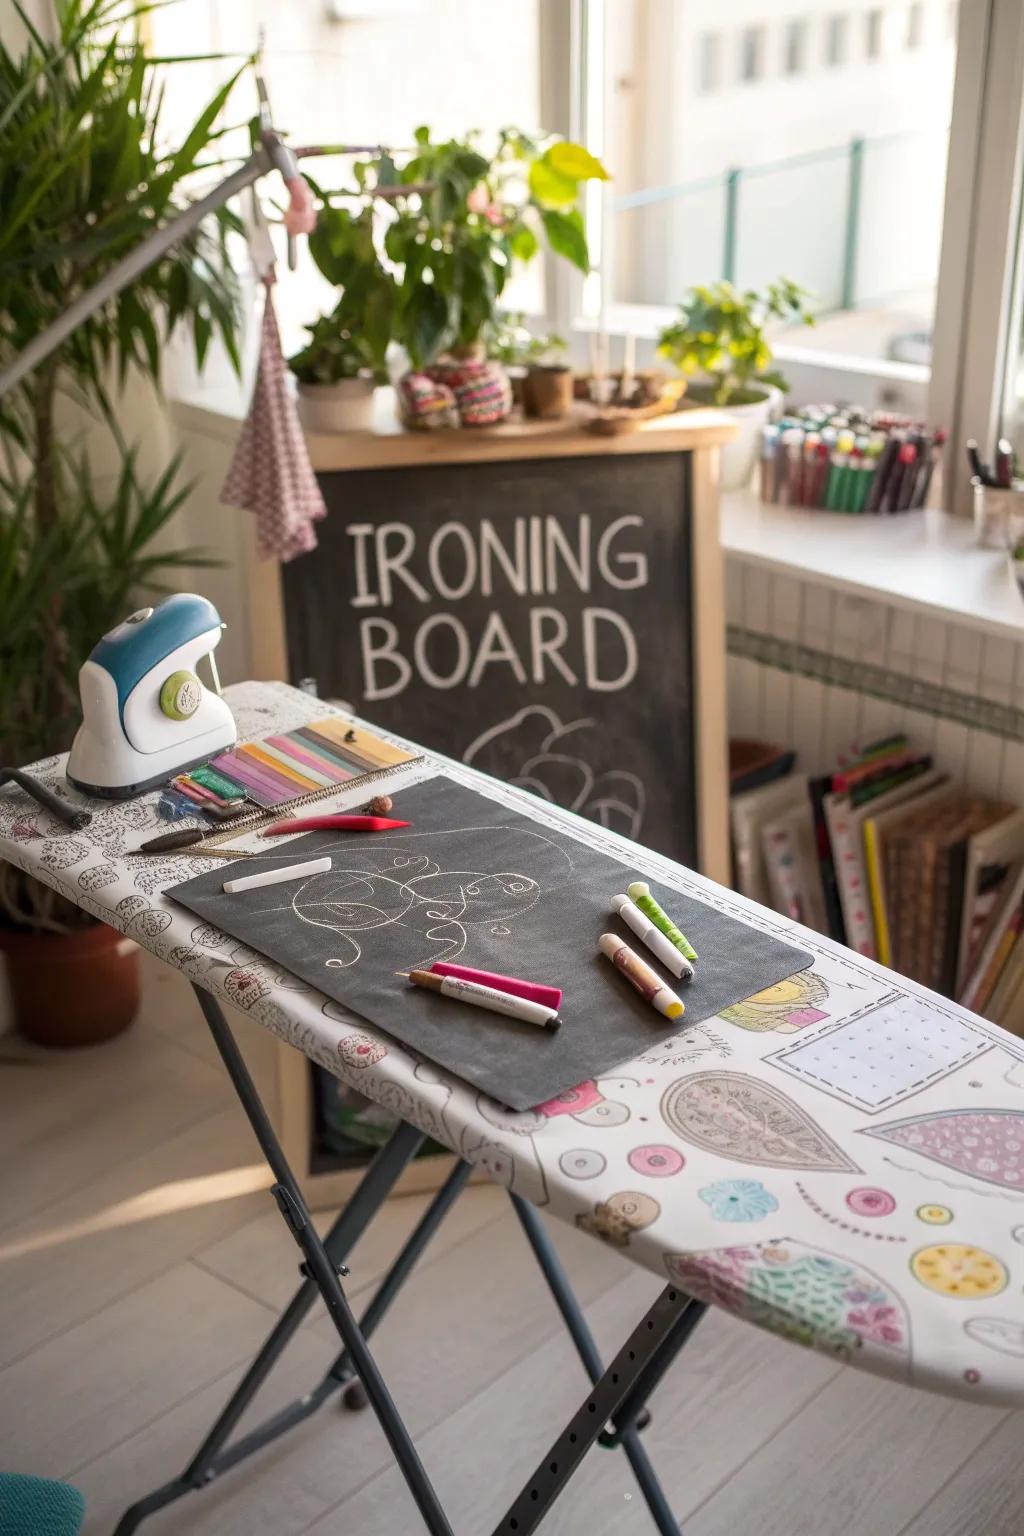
point(477, 881)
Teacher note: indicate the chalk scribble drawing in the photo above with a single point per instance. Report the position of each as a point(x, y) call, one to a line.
point(417, 887)
point(536, 751)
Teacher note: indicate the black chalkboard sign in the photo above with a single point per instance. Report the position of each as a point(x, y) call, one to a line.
point(530, 617)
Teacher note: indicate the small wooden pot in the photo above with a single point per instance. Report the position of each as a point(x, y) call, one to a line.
point(72, 989)
point(547, 392)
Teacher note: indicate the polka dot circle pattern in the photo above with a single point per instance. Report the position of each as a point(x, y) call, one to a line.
point(871, 1202)
point(657, 1162)
point(582, 1163)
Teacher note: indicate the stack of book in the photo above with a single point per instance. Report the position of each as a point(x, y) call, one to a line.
point(889, 856)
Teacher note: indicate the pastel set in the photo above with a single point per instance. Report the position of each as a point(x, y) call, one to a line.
point(300, 762)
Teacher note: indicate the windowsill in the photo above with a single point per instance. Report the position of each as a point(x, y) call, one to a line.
point(927, 562)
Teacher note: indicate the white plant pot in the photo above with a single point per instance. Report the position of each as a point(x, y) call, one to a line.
point(346, 406)
point(740, 457)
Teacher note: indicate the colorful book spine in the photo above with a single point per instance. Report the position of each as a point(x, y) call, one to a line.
point(851, 876)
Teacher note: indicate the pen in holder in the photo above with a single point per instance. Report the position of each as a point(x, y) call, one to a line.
point(995, 508)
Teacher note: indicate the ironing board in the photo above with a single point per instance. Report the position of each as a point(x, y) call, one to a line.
point(839, 1159)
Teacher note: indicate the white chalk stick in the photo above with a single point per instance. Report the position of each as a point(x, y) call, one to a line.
point(275, 876)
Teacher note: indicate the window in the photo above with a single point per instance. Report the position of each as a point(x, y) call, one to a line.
point(915, 25)
point(835, 40)
point(751, 53)
point(709, 61)
point(874, 33)
point(833, 182)
point(794, 47)
point(360, 73)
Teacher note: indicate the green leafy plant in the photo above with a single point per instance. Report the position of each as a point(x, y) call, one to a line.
point(86, 172)
point(510, 341)
point(357, 332)
point(722, 332)
point(447, 229)
point(334, 353)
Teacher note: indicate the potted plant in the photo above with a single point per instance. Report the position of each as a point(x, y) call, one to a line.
point(548, 385)
point(721, 333)
point(345, 358)
point(84, 176)
point(464, 222)
point(423, 251)
point(542, 379)
point(335, 381)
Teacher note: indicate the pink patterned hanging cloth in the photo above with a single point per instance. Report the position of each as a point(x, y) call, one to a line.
point(270, 474)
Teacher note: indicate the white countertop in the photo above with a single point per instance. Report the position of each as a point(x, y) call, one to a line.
point(927, 561)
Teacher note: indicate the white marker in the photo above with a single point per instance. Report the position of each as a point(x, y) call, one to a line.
point(671, 958)
point(522, 1008)
point(640, 975)
point(275, 876)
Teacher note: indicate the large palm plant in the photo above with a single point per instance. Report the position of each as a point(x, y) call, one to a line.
point(86, 173)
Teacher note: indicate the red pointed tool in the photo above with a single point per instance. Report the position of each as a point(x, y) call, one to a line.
point(337, 823)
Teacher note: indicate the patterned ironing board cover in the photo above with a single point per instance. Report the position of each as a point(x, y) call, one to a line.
point(839, 1160)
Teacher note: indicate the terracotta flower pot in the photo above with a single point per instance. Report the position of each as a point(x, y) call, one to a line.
point(547, 392)
point(72, 989)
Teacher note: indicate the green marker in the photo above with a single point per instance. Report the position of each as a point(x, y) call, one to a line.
point(640, 892)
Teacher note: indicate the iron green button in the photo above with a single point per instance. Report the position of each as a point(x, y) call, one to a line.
point(180, 695)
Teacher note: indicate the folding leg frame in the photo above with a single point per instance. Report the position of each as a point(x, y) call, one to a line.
point(613, 1413)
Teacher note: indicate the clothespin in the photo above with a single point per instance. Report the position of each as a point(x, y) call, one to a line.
point(257, 233)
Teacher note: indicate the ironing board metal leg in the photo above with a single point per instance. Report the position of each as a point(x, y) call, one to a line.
point(322, 1269)
point(341, 1371)
point(586, 1347)
point(618, 1394)
point(212, 1458)
point(215, 1457)
point(662, 1330)
point(373, 1189)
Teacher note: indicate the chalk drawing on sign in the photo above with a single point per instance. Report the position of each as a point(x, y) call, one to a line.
point(534, 750)
point(886, 1053)
point(428, 889)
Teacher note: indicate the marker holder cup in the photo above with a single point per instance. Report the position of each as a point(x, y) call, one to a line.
point(995, 509)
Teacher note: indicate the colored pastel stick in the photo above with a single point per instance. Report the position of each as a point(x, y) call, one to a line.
point(305, 752)
point(262, 789)
point(339, 822)
point(277, 876)
point(303, 760)
point(276, 763)
point(253, 774)
point(640, 892)
point(250, 772)
point(194, 792)
point(218, 782)
point(328, 750)
point(535, 991)
point(288, 760)
point(380, 753)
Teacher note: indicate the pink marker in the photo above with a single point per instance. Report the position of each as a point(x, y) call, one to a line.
point(551, 997)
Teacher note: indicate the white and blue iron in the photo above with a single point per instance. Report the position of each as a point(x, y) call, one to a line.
point(145, 712)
